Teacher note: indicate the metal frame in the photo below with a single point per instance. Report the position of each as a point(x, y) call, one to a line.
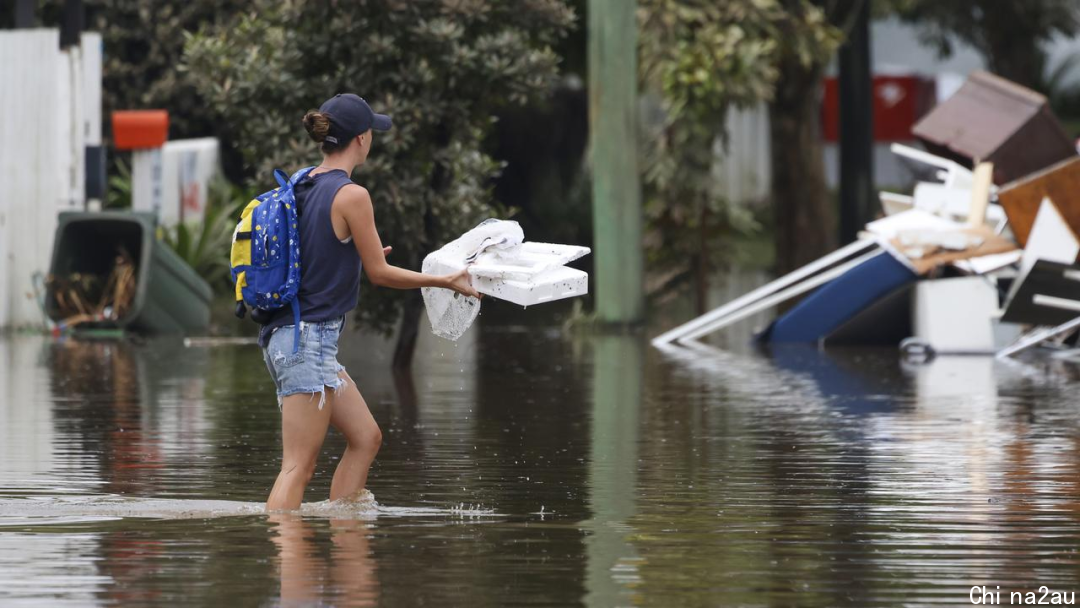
point(786, 287)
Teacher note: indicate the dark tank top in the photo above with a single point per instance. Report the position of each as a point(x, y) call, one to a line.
point(329, 269)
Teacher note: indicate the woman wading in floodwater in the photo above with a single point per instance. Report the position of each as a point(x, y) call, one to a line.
point(337, 236)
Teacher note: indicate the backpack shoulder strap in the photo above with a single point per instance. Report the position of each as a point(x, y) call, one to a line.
point(284, 179)
point(299, 175)
point(281, 177)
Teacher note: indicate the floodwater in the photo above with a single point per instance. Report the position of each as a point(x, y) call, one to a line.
point(528, 465)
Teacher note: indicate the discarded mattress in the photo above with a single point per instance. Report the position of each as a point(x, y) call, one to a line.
point(839, 300)
point(503, 266)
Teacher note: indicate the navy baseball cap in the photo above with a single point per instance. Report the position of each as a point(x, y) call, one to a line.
point(350, 116)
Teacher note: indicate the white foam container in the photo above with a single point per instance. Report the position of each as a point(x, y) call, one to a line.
point(547, 286)
point(530, 273)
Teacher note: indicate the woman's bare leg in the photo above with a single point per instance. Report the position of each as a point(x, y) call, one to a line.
point(350, 416)
point(303, 428)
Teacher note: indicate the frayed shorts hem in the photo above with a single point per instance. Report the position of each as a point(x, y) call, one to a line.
point(306, 366)
point(321, 390)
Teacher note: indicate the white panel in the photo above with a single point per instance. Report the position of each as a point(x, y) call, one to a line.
point(53, 196)
point(73, 130)
point(29, 160)
point(42, 159)
point(949, 328)
point(187, 167)
point(92, 61)
point(1050, 239)
point(743, 167)
point(146, 180)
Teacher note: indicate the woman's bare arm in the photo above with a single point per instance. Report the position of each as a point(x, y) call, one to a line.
point(354, 204)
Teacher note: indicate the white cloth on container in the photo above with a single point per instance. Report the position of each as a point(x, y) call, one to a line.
point(451, 313)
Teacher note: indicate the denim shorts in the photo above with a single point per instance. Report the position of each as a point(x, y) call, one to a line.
point(313, 367)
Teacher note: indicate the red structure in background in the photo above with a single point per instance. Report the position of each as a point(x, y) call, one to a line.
point(899, 102)
point(140, 129)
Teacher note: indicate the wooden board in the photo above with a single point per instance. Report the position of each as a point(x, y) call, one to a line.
point(980, 193)
point(1021, 199)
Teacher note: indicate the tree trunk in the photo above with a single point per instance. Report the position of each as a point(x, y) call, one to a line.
point(409, 331)
point(414, 303)
point(805, 218)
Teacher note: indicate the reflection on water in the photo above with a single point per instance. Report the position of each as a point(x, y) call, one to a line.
point(618, 383)
point(345, 577)
point(526, 466)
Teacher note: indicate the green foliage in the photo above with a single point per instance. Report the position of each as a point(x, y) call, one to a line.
point(143, 48)
point(118, 195)
point(702, 58)
point(439, 67)
point(205, 246)
point(1008, 33)
point(1063, 91)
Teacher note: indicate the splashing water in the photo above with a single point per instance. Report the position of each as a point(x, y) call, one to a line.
point(362, 504)
point(45, 510)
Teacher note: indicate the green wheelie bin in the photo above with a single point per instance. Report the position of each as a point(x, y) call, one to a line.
point(169, 296)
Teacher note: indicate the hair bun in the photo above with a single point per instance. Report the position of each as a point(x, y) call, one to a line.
point(317, 125)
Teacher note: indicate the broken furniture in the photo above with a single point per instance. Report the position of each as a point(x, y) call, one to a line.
point(838, 301)
point(995, 120)
point(949, 195)
point(932, 271)
point(785, 288)
point(956, 316)
point(1039, 294)
point(1022, 198)
point(1048, 297)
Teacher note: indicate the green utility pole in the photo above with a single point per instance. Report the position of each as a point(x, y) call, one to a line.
point(613, 115)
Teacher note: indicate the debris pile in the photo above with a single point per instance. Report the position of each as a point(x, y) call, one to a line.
point(82, 297)
point(981, 258)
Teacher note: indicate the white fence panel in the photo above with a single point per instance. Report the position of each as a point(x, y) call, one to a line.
point(43, 129)
point(744, 169)
point(93, 56)
point(187, 168)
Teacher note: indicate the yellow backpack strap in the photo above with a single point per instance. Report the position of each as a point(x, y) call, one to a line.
point(240, 254)
point(241, 283)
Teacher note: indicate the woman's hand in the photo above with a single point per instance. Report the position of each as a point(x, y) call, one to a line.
point(461, 282)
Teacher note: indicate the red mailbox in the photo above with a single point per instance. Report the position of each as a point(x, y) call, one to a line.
point(140, 129)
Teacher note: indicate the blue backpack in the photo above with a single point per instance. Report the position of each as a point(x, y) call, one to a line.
point(265, 256)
